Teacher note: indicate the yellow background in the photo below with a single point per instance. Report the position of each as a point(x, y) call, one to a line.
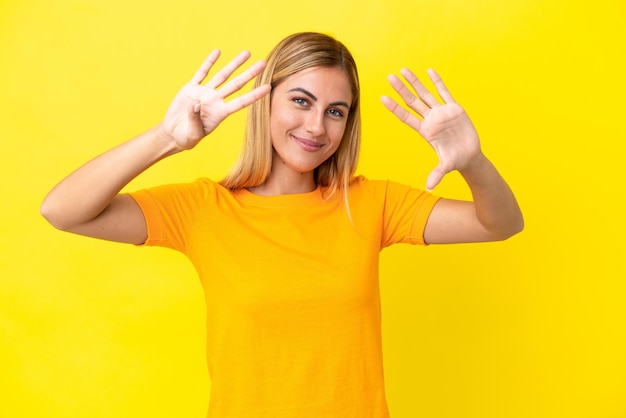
point(531, 327)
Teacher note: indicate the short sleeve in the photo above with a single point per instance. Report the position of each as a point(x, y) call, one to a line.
point(405, 214)
point(170, 212)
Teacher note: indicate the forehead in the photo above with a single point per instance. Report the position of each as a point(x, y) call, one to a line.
point(331, 82)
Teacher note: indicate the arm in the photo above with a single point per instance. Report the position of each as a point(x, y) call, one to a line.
point(88, 201)
point(494, 213)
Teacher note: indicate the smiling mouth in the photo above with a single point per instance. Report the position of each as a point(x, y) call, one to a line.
point(307, 144)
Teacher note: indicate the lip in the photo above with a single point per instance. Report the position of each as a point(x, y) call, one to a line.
point(307, 144)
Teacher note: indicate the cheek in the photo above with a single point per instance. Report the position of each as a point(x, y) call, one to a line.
point(335, 141)
point(276, 127)
point(280, 122)
point(336, 132)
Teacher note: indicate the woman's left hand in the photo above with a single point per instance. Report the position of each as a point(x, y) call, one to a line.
point(446, 127)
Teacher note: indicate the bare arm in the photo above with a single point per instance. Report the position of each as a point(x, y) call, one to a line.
point(88, 201)
point(494, 213)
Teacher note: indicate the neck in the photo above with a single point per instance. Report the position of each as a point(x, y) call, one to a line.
point(285, 181)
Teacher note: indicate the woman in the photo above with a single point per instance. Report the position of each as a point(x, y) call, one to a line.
point(286, 246)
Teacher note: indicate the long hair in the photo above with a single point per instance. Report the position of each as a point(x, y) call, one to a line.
point(295, 53)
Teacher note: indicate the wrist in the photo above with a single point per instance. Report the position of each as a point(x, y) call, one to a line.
point(477, 170)
point(475, 164)
point(164, 141)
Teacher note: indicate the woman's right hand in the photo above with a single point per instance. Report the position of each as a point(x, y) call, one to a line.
point(199, 108)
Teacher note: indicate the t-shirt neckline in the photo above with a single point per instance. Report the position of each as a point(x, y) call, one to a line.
point(284, 200)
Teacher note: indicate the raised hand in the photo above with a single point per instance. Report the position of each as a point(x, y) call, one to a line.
point(199, 108)
point(446, 127)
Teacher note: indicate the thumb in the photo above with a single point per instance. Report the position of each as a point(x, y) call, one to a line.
point(434, 178)
point(194, 111)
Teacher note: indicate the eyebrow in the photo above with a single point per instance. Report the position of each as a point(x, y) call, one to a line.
point(314, 98)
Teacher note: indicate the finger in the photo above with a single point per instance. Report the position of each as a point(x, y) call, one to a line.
point(242, 79)
point(223, 74)
point(441, 87)
point(419, 88)
point(248, 98)
point(204, 69)
point(409, 98)
point(401, 113)
point(434, 178)
point(195, 126)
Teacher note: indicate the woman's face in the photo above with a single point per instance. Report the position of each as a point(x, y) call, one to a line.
point(308, 115)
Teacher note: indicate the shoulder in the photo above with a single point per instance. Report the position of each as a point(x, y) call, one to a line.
point(202, 186)
point(191, 192)
point(362, 184)
point(368, 193)
point(389, 194)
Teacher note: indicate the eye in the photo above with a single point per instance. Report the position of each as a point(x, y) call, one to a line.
point(335, 112)
point(300, 101)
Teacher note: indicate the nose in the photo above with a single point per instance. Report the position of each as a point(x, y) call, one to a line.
point(315, 122)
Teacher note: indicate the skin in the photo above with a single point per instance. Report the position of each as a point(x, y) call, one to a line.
point(88, 201)
point(493, 214)
point(308, 117)
point(309, 111)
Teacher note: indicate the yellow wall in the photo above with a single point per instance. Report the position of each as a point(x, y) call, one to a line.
point(532, 327)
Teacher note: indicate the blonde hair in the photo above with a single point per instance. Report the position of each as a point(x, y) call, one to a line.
point(295, 53)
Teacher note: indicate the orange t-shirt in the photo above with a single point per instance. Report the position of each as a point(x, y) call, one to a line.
point(291, 287)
